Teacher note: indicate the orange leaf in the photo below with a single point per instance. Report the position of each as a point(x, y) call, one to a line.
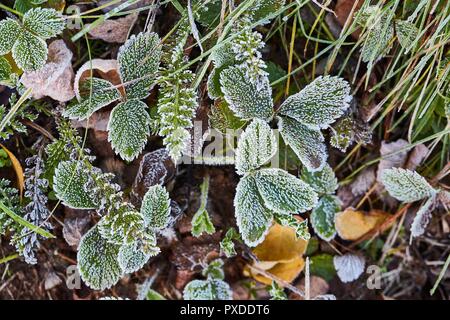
point(17, 168)
point(352, 224)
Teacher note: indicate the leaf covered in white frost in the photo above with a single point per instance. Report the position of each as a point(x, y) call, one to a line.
point(131, 257)
point(211, 289)
point(422, 218)
point(308, 144)
point(320, 103)
point(407, 33)
point(252, 218)
point(323, 181)
point(405, 185)
point(97, 261)
point(103, 93)
point(243, 96)
point(322, 217)
point(155, 207)
point(68, 184)
point(349, 266)
point(46, 23)
point(29, 59)
point(256, 146)
point(139, 60)
point(9, 31)
point(129, 127)
point(284, 193)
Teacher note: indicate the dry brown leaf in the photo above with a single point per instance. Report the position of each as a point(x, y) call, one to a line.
point(417, 155)
point(363, 181)
point(114, 31)
point(352, 224)
point(17, 169)
point(54, 80)
point(105, 69)
point(318, 287)
point(390, 160)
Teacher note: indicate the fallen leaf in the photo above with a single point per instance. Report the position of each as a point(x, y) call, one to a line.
point(97, 121)
point(363, 181)
point(349, 267)
point(390, 160)
point(114, 31)
point(416, 157)
point(51, 280)
point(17, 169)
point(317, 287)
point(74, 229)
point(287, 271)
point(352, 224)
point(54, 80)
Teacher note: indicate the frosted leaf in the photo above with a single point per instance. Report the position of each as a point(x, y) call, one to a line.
point(407, 33)
point(46, 23)
point(308, 144)
point(128, 128)
point(156, 207)
point(103, 93)
point(349, 267)
point(207, 290)
point(9, 31)
point(252, 218)
point(214, 270)
point(243, 96)
point(223, 55)
point(405, 185)
point(320, 103)
point(422, 218)
point(300, 227)
point(256, 146)
point(5, 70)
point(322, 217)
point(123, 226)
point(68, 184)
point(97, 261)
point(131, 258)
point(227, 244)
point(201, 222)
point(265, 9)
point(29, 52)
point(284, 193)
point(378, 35)
point(138, 61)
point(323, 181)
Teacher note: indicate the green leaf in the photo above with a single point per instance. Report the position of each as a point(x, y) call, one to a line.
point(227, 244)
point(46, 23)
point(26, 58)
point(201, 221)
point(207, 290)
point(252, 218)
point(68, 184)
point(322, 266)
point(265, 9)
point(97, 261)
point(243, 96)
point(322, 217)
point(284, 193)
point(129, 128)
point(124, 226)
point(256, 146)
point(320, 103)
point(214, 270)
point(308, 144)
point(132, 258)
point(5, 70)
point(155, 207)
point(405, 185)
point(9, 30)
point(103, 93)
point(277, 292)
point(222, 118)
point(407, 33)
point(323, 181)
point(300, 227)
point(138, 61)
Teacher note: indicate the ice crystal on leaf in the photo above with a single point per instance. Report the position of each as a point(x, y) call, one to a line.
point(129, 126)
point(320, 103)
point(26, 58)
point(264, 9)
point(256, 146)
point(349, 267)
point(227, 244)
point(323, 181)
point(131, 257)
point(322, 217)
point(46, 23)
point(300, 227)
point(244, 97)
point(155, 207)
point(407, 33)
point(10, 30)
point(405, 185)
point(201, 222)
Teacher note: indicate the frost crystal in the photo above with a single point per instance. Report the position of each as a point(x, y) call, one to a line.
point(128, 128)
point(46, 23)
point(131, 258)
point(244, 97)
point(210, 289)
point(10, 31)
point(407, 33)
point(256, 146)
point(201, 222)
point(252, 218)
point(349, 267)
point(422, 218)
point(323, 181)
point(320, 103)
point(284, 193)
point(310, 149)
point(26, 58)
point(156, 207)
point(405, 185)
point(322, 217)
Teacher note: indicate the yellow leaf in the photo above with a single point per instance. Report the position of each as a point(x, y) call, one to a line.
point(17, 168)
point(287, 271)
point(12, 63)
point(352, 224)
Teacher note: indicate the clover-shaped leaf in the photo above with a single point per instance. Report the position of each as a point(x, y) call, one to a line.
point(155, 207)
point(97, 261)
point(68, 184)
point(322, 217)
point(256, 146)
point(26, 58)
point(406, 185)
point(103, 93)
point(129, 126)
point(46, 23)
point(138, 61)
point(9, 30)
point(284, 193)
point(253, 219)
point(243, 95)
point(308, 144)
point(323, 181)
point(320, 103)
